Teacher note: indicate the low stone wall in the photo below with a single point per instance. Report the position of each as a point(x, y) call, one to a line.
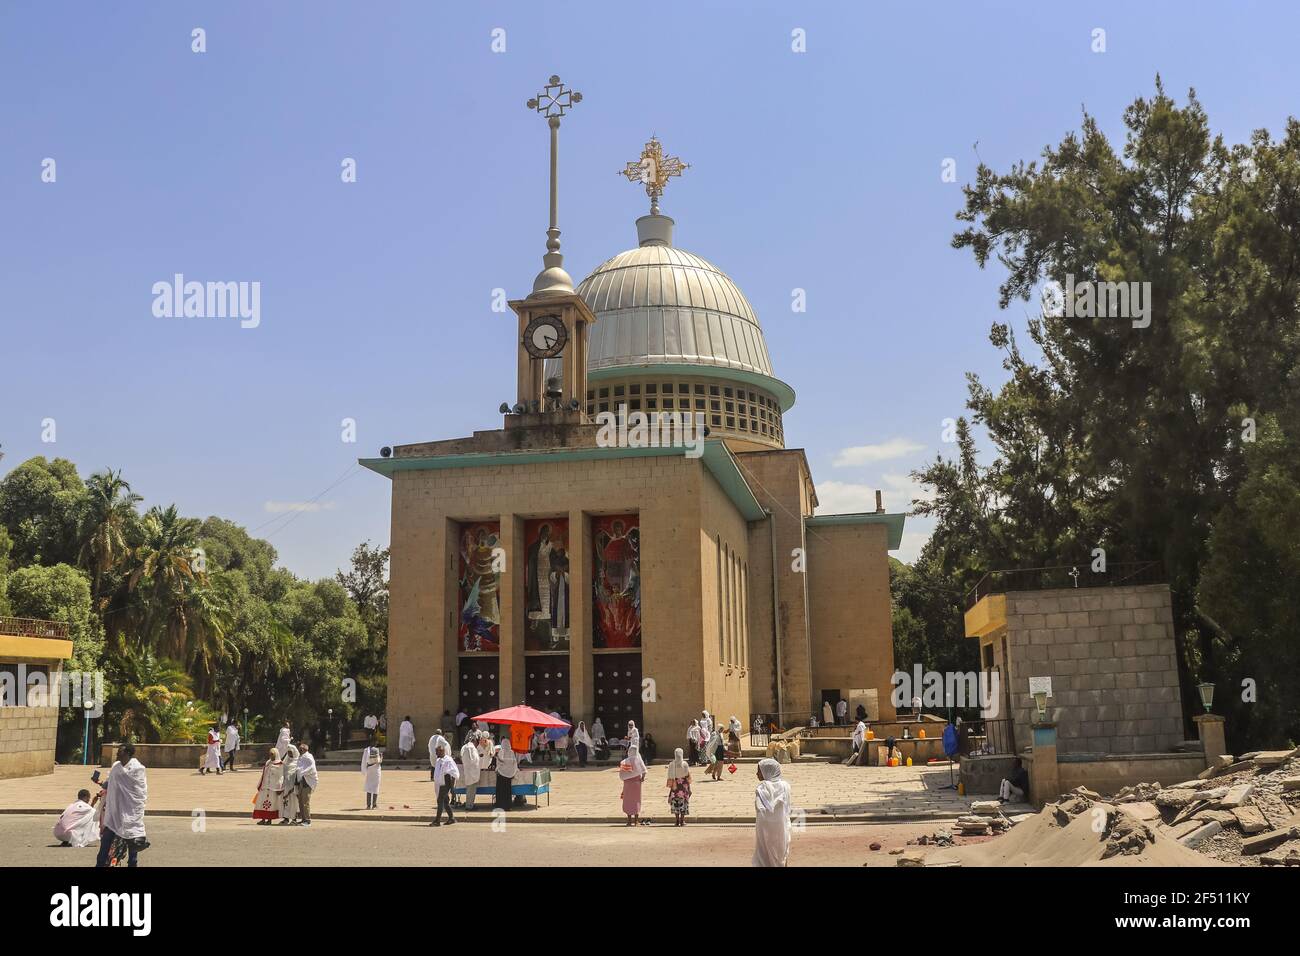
point(921, 750)
point(983, 774)
point(183, 756)
point(27, 736)
point(1109, 773)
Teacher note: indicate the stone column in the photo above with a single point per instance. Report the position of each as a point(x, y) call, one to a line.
point(581, 689)
point(513, 671)
point(1210, 728)
point(1044, 775)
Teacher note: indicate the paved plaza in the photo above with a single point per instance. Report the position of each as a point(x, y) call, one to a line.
point(827, 793)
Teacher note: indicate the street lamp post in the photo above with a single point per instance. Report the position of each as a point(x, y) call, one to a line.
point(89, 705)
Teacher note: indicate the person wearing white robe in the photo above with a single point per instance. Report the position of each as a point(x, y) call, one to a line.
point(771, 816)
point(308, 779)
point(372, 766)
point(445, 776)
point(128, 791)
point(266, 801)
point(289, 795)
point(232, 745)
point(828, 716)
point(406, 738)
point(436, 741)
point(282, 742)
point(597, 730)
point(633, 736)
point(212, 759)
point(734, 725)
point(469, 758)
point(77, 825)
point(507, 767)
point(859, 738)
point(583, 743)
point(706, 724)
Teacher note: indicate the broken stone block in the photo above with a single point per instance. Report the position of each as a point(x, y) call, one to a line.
point(1200, 835)
point(1266, 841)
point(1235, 797)
point(1222, 817)
point(1022, 817)
point(912, 859)
point(1220, 762)
point(1273, 758)
point(1250, 820)
point(987, 807)
point(1291, 783)
point(1175, 798)
point(1179, 830)
point(1141, 810)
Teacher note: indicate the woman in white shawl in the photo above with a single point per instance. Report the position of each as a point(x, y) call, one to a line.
point(212, 758)
point(372, 766)
point(406, 738)
point(771, 816)
point(858, 739)
point(77, 825)
point(633, 737)
point(716, 751)
point(266, 802)
point(693, 741)
point(507, 767)
point(583, 742)
point(289, 795)
point(472, 769)
point(597, 730)
point(679, 787)
point(632, 772)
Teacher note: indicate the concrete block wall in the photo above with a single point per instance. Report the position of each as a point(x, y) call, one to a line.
point(27, 737)
point(1110, 653)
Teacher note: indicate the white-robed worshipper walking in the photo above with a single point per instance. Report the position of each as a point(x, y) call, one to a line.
point(472, 762)
point(232, 745)
point(212, 756)
point(266, 801)
point(771, 816)
point(734, 725)
point(436, 741)
point(406, 738)
point(445, 776)
point(77, 825)
point(289, 795)
point(308, 780)
point(127, 792)
point(372, 769)
point(633, 736)
point(828, 715)
point(706, 723)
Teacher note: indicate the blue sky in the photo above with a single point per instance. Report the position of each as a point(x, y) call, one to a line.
point(818, 170)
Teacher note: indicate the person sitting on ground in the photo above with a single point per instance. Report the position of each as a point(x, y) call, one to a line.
point(77, 826)
point(1015, 787)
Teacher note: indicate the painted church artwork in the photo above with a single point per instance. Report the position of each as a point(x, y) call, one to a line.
point(546, 584)
point(616, 581)
point(479, 583)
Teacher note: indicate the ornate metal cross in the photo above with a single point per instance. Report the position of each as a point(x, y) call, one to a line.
point(554, 100)
point(654, 169)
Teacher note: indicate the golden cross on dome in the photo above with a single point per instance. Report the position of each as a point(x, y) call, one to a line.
point(654, 169)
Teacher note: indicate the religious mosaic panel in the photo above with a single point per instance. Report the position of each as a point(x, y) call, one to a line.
point(481, 561)
point(546, 584)
point(617, 685)
point(616, 581)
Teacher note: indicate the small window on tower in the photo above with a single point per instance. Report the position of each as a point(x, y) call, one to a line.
point(651, 388)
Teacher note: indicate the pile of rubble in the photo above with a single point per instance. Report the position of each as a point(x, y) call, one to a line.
point(1243, 810)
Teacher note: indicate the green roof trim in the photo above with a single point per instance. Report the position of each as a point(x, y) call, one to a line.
point(783, 393)
point(893, 522)
point(716, 456)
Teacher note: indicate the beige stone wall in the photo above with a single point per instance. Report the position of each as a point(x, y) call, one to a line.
point(680, 507)
point(725, 564)
point(851, 616)
point(27, 737)
point(780, 481)
point(1110, 654)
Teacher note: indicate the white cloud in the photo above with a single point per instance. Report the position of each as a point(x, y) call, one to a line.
point(869, 454)
point(278, 507)
point(844, 497)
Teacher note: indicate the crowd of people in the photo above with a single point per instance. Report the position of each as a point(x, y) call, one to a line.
point(115, 815)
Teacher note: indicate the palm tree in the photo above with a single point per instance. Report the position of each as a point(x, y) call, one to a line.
point(109, 513)
point(157, 701)
point(175, 603)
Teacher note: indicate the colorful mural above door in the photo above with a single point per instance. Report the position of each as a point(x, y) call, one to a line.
point(482, 559)
point(616, 581)
point(546, 584)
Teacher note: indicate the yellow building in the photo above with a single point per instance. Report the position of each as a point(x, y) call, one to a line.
point(605, 570)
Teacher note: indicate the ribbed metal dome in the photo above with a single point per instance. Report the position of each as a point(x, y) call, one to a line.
point(660, 305)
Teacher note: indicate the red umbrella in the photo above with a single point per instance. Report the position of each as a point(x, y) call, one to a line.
point(521, 715)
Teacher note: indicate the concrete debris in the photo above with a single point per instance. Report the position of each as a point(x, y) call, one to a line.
point(912, 859)
point(1202, 833)
point(1288, 857)
point(1142, 792)
point(1127, 837)
point(1236, 796)
point(1142, 810)
point(987, 807)
point(1221, 763)
point(1250, 820)
point(1274, 758)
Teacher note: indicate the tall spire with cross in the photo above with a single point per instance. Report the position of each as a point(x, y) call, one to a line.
point(553, 102)
point(654, 169)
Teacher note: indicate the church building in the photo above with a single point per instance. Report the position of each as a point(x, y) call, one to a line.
point(622, 571)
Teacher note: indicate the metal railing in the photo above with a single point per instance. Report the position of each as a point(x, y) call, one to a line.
point(1066, 576)
point(32, 627)
point(989, 736)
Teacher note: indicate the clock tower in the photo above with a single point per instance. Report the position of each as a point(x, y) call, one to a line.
point(554, 321)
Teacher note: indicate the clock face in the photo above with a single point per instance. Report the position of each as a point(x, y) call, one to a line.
point(545, 336)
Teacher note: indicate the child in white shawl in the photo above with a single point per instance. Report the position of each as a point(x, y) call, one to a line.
point(771, 816)
point(472, 762)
